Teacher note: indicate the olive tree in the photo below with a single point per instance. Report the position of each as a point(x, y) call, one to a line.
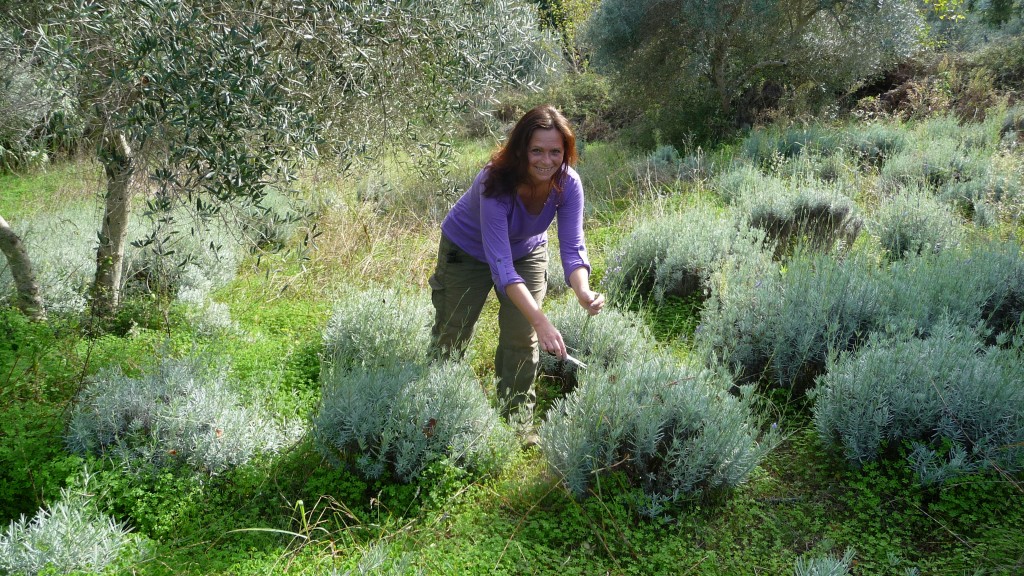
point(210, 102)
point(717, 49)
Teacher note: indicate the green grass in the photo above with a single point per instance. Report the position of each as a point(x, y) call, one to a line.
point(294, 514)
point(47, 188)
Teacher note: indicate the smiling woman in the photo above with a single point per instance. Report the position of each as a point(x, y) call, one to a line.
point(495, 237)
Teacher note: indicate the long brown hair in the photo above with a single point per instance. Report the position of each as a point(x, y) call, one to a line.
point(510, 164)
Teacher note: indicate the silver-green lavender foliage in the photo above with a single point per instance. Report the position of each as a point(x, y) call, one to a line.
point(939, 152)
point(180, 263)
point(959, 404)
point(180, 412)
point(69, 535)
point(796, 209)
point(872, 144)
point(675, 254)
point(378, 327)
point(397, 419)
point(61, 246)
point(379, 559)
point(675, 431)
point(783, 327)
point(609, 338)
point(180, 252)
point(824, 565)
point(915, 222)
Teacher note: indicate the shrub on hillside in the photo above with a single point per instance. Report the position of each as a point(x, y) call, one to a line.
point(173, 260)
point(824, 565)
point(181, 253)
point(914, 222)
point(980, 286)
point(181, 412)
point(377, 327)
point(397, 419)
point(959, 406)
point(674, 431)
point(675, 254)
point(605, 340)
point(812, 214)
point(942, 153)
point(873, 144)
point(68, 536)
point(783, 328)
point(60, 246)
point(764, 147)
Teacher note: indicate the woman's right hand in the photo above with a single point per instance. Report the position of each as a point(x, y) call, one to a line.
point(550, 339)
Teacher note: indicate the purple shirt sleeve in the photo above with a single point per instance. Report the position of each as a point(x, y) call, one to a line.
point(571, 245)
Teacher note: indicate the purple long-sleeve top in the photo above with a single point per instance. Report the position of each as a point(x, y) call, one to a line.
point(499, 230)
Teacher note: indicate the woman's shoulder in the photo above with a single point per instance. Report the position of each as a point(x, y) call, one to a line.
point(571, 179)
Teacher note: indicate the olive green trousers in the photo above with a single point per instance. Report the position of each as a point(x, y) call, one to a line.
point(459, 288)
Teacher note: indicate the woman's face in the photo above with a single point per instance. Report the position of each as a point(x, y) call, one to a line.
point(544, 155)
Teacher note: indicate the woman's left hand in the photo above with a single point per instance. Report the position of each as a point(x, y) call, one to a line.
point(591, 301)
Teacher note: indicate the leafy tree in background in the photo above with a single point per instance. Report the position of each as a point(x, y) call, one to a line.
point(709, 52)
point(210, 102)
point(567, 17)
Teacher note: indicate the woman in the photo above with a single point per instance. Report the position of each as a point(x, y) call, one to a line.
point(495, 237)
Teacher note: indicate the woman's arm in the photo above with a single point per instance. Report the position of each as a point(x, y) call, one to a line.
point(549, 338)
point(592, 301)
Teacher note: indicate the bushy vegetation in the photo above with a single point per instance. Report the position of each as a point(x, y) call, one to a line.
point(70, 535)
point(182, 258)
point(783, 328)
point(675, 431)
point(395, 420)
point(180, 412)
point(812, 342)
point(377, 327)
point(675, 254)
point(613, 337)
point(953, 404)
point(915, 222)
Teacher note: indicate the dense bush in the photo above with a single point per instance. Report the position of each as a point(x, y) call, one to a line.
point(675, 431)
point(983, 285)
point(181, 412)
point(69, 536)
point(766, 147)
point(783, 328)
point(813, 214)
point(943, 153)
point(611, 338)
point(958, 405)
point(60, 246)
point(182, 258)
point(377, 327)
point(824, 566)
point(915, 222)
point(873, 144)
point(675, 254)
point(397, 419)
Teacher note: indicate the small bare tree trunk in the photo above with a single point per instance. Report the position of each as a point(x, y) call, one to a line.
point(119, 166)
point(25, 283)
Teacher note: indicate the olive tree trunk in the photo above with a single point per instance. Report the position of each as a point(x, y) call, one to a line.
point(28, 299)
point(119, 166)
